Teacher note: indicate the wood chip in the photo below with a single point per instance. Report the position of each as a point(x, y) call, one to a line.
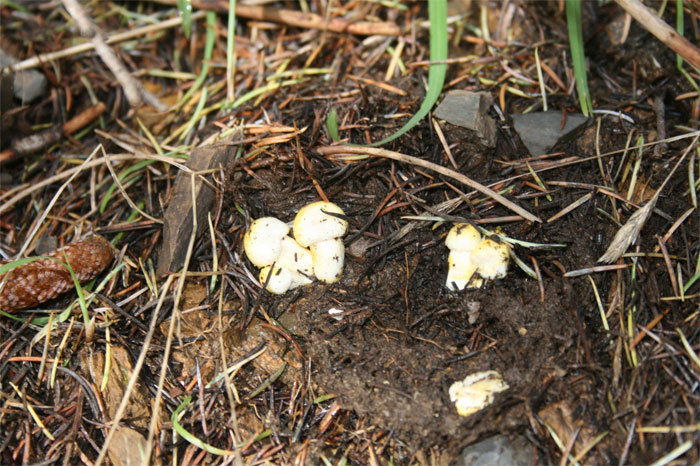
point(177, 223)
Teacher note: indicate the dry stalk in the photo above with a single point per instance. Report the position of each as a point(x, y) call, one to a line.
point(662, 31)
point(133, 89)
point(387, 154)
point(627, 235)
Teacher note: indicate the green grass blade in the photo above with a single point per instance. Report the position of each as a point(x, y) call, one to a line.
point(208, 49)
point(185, 9)
point(122, 176)
point(332, 125)
point(16, 6)
point(196, 115)
point(573, 20)
point(679, 29)
point(230, 52)
point(437, 14)
point(184, 433)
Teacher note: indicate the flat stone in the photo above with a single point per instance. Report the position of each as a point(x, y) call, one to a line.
point(177, 223)
point(469, 110)
point(28, 84)
point(496, 451)
point(540, 131)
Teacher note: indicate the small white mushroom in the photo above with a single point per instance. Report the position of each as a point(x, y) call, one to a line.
point(462, 239)
point(491, 259)
point(317, 228)
point(263, 240)
point(279, 282)
point(476, 391)
point(287, 264)
point(328, 258)
point(297, 260)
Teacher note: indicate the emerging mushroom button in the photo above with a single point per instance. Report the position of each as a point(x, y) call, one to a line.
point(462, 239)
point(476, 391)
point(320, 227)
point(284, 264)
point(263, 240)
point(470, 255)
point(316, 249)
point(491, 258)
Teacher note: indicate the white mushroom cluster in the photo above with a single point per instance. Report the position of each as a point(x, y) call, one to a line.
point(476, 391)
point(473, 259)
point(316, 249)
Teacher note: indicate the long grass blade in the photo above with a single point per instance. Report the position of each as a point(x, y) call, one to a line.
point(184, 7)
point(573, 21)
point(208, 49)
point(437, 14)
point(230, 53)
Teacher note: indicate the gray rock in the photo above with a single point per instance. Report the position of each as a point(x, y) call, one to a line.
point(469, 110)
point(497, 451)
point(540, 131)
point(28, 84)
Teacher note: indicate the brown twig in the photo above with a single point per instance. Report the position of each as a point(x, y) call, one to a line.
point(39, 141)
point(134, 91)
point(297, 18)
point(662, 31)
point(387, 154)
point(38, 60)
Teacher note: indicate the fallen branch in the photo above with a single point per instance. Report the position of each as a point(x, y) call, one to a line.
point(33, 62)
point(387, 154)
point(297, 18)
point(662, 31)
point(134, 91)
point(40, 141)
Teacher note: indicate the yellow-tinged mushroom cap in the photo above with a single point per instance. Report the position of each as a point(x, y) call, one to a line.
point(297, 260)
point(476, 391)
point(460, 271)
point(316, 228)
point(463, 237)
point(491, 259)
point(328, 257)
point(277, 282)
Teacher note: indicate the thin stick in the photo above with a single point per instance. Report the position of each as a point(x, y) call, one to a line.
point(27, 188)
point(297, 18)
point(33, 62)
point(134, 91)
point(387, 154)
point(662, 31)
